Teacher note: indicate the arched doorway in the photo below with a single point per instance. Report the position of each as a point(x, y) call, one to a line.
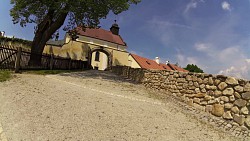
point(100, 59)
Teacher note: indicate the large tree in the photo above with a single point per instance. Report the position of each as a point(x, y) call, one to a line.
point(50, 15)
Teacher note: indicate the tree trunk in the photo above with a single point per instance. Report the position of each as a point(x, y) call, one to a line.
point(44, 32)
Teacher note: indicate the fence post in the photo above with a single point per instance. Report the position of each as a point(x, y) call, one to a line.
point(18, 60)
point(51, 62)
point(70, 64)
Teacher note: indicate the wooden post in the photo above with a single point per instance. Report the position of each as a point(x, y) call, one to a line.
point(18, 60)
point(69, 64)
point(51, 62)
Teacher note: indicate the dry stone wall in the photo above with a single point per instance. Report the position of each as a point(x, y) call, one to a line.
point(222, 96)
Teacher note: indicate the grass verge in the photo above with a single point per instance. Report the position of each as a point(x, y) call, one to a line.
point(46, 72)
point(4, 75)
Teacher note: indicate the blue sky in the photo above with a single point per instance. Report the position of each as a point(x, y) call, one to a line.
point(214, 34)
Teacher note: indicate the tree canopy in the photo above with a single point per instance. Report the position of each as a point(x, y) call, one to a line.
point(80, 12)
point(50, 15)
point(193, 68)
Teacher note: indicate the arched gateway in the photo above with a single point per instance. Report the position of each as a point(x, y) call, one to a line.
point(100, 64)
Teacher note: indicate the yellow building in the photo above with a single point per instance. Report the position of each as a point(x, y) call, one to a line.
point(101, 49)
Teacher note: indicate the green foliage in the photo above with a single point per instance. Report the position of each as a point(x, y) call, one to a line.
point(193, 68)
point(4, 75)
point(15, 40)
point(80, 12)
point(46, 72)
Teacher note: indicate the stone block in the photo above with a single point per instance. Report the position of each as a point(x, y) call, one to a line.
point(228, 91)
point(190, 91)
point(190, 83)
point(203, 103)
point(237, 95)
point(196, 84)
point(200, 81)
point(232, 98)
point(197, 100)
point(191, 87)
point(181, 80)
point(188, 78)
point(197, 90)
point(208, 87)
point(244, 111)
point(228, 105)
point(217, 93)
point(227, 115)
point(240, 103)
point(210, 92)
point(224, 98)
point(222, 86)
point(232, 81)
point(247, 122)
point(194, 78)
point(218, 110)
point(240, 119)
point(247, 87)
point(246, 95)
point(238, 89)
point(202, 86)
point(203, 90)
point(212, 101)
point(210, 81)
point(207, 98)
point(216, 82)
point(235, 110)
point(213, 87)
point(205, 81)
point(200, 95)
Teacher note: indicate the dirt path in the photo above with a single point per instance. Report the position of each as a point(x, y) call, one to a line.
point(92, 105)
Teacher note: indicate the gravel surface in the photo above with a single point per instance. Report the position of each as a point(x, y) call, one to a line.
point(93, 105)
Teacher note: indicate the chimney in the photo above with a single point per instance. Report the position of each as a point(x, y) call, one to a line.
point(157, 60)
point(167, 62)
point(115, 28)
point(3, 32)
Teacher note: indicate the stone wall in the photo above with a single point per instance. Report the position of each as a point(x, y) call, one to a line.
point(222, 96)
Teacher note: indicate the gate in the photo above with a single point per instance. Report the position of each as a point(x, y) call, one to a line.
point(8, 56)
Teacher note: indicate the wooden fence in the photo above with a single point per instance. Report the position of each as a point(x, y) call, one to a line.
point(16, 58)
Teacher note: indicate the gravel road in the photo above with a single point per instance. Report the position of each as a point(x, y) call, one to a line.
point(92, 106)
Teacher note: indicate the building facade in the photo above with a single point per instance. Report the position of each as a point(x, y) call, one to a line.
point(102, 49)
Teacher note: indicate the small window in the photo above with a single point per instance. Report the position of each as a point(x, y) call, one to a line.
point(97, 56)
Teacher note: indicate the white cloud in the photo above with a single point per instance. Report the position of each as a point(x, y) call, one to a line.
point(226, 6)
point(242, 70)
point(164, 24)
point(192, 5)
point(201, 47)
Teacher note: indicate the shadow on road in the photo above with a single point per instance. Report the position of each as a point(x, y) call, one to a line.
point(95, 74)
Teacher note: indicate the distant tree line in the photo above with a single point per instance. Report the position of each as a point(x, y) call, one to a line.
point(193, 68)
point(4, 40)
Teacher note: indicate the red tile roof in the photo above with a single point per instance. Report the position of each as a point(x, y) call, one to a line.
point(101, 34)
point(151, 64)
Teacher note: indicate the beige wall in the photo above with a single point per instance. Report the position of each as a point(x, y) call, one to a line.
point(132, 63)
point(74, 50)
point(79, 50)
point(102, 64)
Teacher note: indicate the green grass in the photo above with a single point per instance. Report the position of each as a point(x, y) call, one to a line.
point(4, 75)
point(46, 72)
